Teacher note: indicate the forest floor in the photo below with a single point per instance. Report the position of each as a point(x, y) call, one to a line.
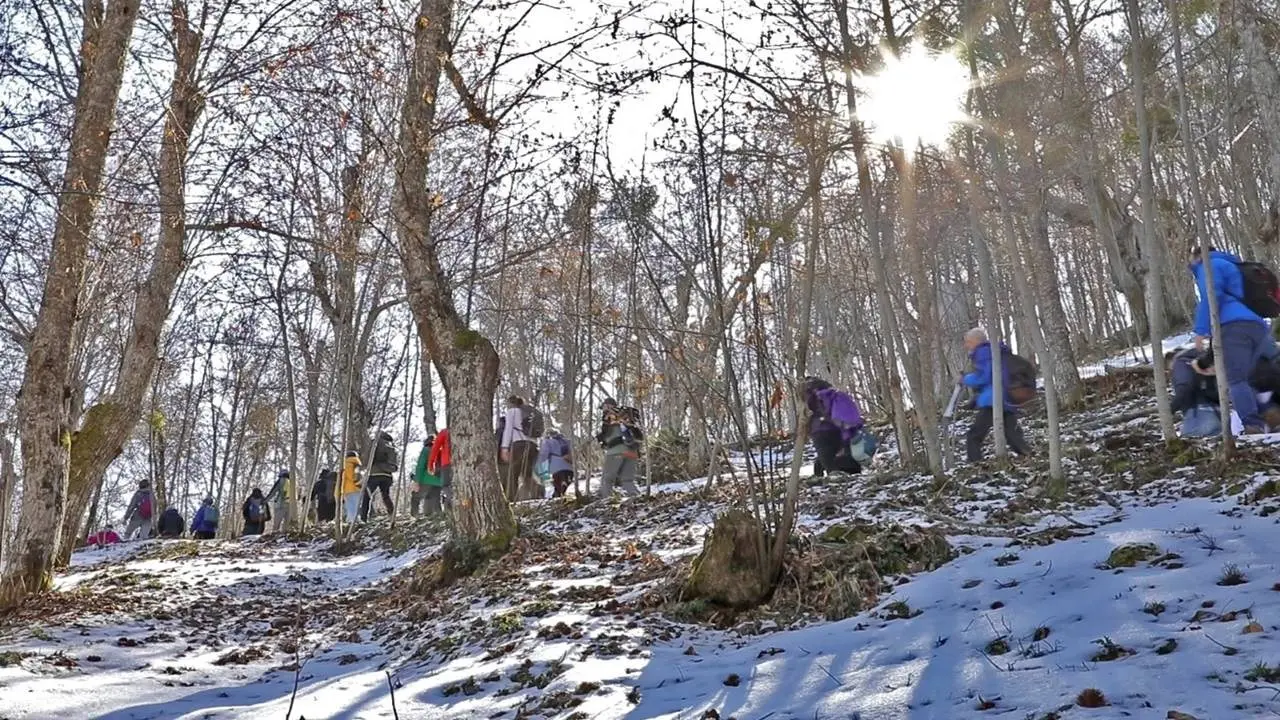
point(1150, 589)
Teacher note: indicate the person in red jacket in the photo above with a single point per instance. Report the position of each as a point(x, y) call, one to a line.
point(440, 462)
point(102, 538)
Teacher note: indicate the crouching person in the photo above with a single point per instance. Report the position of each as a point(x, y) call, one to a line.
point(1195, 395)
point(836, 429)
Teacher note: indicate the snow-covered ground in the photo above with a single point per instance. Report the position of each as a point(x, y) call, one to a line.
point(585, 617)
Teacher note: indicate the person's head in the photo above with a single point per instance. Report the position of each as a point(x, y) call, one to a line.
point(515, 401)
point(282, 474)
point(609, 404)
point(208, 500)
point(385, 436)
point(1196, 254)
point(353, 454)
point(974, 338)
point(144, 484)
point(110, 526)
point(257, 493)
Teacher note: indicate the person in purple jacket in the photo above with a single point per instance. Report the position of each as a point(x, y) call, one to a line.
point(982, 381)
point(834, 421)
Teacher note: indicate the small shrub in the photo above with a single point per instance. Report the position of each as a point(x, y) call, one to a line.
point(1263, 672)
point(733, 680)
point(899, 610)
point(1091, 698)
point(9, 658)
point(1131, 554)
point(1232, 575)
point(986, 704)
point(1153, 608)
point(1166, 647)
point(1109, 651)
point(999, 646)
point(507, 623)
point(1040, 634)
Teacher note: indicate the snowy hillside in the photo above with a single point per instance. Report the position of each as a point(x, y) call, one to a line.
point(1151, 590)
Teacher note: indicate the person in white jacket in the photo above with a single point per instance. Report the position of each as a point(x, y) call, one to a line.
point(517, 454)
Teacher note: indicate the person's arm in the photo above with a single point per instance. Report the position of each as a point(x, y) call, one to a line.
point(981, 375)
point(437, 450)
point(544, 453)
point(244, 510)
point(1202, 326)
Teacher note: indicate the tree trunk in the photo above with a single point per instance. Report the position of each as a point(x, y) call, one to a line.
point(108, 425)
point(1202, 233)
point(1155, 294)
point(466, 360)
point(42, 407)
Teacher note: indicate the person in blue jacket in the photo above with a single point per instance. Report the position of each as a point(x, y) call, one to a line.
point(981, 380)
point(1246, 338)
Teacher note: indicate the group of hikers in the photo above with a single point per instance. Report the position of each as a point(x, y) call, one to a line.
point(532, 455)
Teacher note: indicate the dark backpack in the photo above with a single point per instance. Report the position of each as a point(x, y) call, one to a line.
point(211, 516)
point(385, 454)
point(1261, 289)
point(1022, 378)
point(532, 423)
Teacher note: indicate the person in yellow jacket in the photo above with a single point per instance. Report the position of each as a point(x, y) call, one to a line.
point(349, 488)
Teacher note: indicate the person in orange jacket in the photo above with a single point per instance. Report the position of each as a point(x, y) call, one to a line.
point(440, 463)
point(349, 488)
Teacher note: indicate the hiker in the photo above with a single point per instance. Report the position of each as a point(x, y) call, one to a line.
point(172, 524)
point(1200, 364)
point(1195, 395)
point(350, 488)
point(102, 538)
point(382, 470)
point(836, 429)
point(427, 486)
point(557, 455)
point(278, 496)
point(440, 464)
point(978, 346)
point(518, 451)
point(1246, 339)
point(256, 512)
point(621, 437)
point(323, 495)
point(137, 518)
point(205, 524)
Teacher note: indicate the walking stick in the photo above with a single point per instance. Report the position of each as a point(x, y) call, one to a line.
point(944, 430)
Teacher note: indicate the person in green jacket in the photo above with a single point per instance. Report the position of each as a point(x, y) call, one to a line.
point(427, 487)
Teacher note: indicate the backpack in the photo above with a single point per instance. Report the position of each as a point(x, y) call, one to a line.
point(255, 510)
point(385, 454)
point(1261, 289)
point(840, 408)
point(144, 507)
point(1022, 378)
point(211, 516)
point(532, 423)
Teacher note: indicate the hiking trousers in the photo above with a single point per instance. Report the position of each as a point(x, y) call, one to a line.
point(351, 506)
point(829, 446)
point(517, 474)
point(619, 471)
point(981, 427)
point(428, 499)
point(140, 525)
point(382, 485)
point(1244, 343)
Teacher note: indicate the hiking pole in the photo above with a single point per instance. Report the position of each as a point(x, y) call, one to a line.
point(944, 431)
